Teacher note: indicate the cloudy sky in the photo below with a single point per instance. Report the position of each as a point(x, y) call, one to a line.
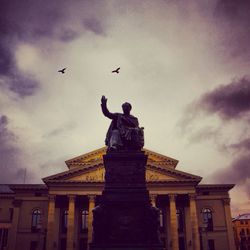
point(184, 67)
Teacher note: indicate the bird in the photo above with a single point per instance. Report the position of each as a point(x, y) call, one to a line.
point(62, 70)
point(116, 70)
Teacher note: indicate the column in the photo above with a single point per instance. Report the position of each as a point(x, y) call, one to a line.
point(173, 222)
point(90, 217)
point(14, 226)
point(153, 199)
point(71, 223)
point(50, 240)
point(230, 235)
point(194, 222)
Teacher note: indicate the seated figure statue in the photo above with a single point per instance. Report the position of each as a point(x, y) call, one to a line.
point(124, 132)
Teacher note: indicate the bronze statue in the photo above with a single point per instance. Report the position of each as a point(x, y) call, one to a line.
point(124, 132)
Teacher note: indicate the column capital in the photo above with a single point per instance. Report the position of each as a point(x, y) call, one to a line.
point(71, 197)
point(153, 196)
point(192, 196)
point(92, 197)
point(226, 201)
point(172, 197)
point(51, 197)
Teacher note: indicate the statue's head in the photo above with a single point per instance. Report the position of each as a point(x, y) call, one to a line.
point(126, 107)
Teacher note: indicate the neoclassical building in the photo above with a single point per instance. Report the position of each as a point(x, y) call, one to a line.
point(57, 215)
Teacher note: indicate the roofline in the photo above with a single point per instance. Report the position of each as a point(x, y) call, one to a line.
point(215, 186)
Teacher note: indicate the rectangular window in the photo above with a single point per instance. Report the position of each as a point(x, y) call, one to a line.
point(211, 245)
point(33, 245)
point(3, 238)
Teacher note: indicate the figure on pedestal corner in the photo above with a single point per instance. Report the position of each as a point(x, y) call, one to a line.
point(124, 132)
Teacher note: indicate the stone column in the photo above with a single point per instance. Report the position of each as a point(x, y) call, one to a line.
point(194, 222)
point(14, 225)
point(90, 217)
point(153, 199)
point(173, 223)
point(71, 223)
point(50, 240)
point(230, 235)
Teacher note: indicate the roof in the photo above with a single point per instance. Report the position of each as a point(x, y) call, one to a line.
point(215, 186)
point(242, 217)
point(5, 189)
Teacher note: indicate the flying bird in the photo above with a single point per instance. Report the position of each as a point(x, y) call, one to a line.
point(62, 70)
point(116, 70)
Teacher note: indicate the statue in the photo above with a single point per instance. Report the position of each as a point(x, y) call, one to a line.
point(124, 132)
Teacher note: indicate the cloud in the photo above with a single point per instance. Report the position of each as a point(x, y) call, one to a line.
point(243, 145)
point(238, 172)
point(11, 163)
point(233, 18)
point(229, 101)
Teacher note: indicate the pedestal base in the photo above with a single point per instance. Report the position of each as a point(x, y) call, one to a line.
point(125, 219)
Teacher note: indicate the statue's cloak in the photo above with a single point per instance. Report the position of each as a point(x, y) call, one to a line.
point(124, 124)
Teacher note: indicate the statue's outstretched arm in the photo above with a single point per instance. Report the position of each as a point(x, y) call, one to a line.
point(105, 110)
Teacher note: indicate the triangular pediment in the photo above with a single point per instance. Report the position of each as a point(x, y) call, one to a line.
point(89, 168)
point(96, 156)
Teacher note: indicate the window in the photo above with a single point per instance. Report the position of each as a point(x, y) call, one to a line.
point(33, 245)
point(3, 238)
point(64, 221)
point(241, 222)
point(161, 219)
point(208, 218)
point(11, 211)
point(36, 220)
point(210, 244)
point(84, 220)
point(247, 231)
point(180, 220)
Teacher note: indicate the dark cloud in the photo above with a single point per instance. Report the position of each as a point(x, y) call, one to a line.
point(229, 101)
point(238, 172)
point(94, 25)
point(233, 17)
point(29, 21)
point(243, 145)
point(10, 163)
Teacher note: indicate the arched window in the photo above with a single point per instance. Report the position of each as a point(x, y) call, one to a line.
point(64, 220)
point(84, 220)
point(208, 218)
point(36, 220)
point(180, 219)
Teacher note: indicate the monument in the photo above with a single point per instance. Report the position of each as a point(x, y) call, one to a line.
point(125, 219)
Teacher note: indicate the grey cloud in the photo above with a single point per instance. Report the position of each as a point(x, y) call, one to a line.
point(238, 172)
point(10, 163)
point(233, 18)
point(242, 145)
point(229, 101)
point(94, 25)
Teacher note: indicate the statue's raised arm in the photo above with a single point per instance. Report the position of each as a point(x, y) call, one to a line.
point(124, 132)
point(105, 110)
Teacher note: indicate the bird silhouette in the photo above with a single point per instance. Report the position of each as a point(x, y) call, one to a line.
point(62, 70)
point(116, 70)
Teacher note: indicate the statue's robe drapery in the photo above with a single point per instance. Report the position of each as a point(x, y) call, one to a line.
point(124, 124)
point(123, 130)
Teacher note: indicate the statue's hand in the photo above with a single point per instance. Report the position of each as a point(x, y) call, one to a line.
point(104, 100)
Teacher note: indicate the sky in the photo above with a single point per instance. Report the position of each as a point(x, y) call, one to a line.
point(184, 68)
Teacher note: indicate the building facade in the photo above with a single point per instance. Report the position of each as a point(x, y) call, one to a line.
point(58, 214)
point(241, 228)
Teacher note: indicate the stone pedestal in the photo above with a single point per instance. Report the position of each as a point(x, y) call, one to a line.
point(125, 219)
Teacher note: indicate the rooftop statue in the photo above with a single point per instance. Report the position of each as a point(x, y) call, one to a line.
point(124, 132)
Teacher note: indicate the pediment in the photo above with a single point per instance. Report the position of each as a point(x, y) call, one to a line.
point(96, 156)
point(96, 173)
